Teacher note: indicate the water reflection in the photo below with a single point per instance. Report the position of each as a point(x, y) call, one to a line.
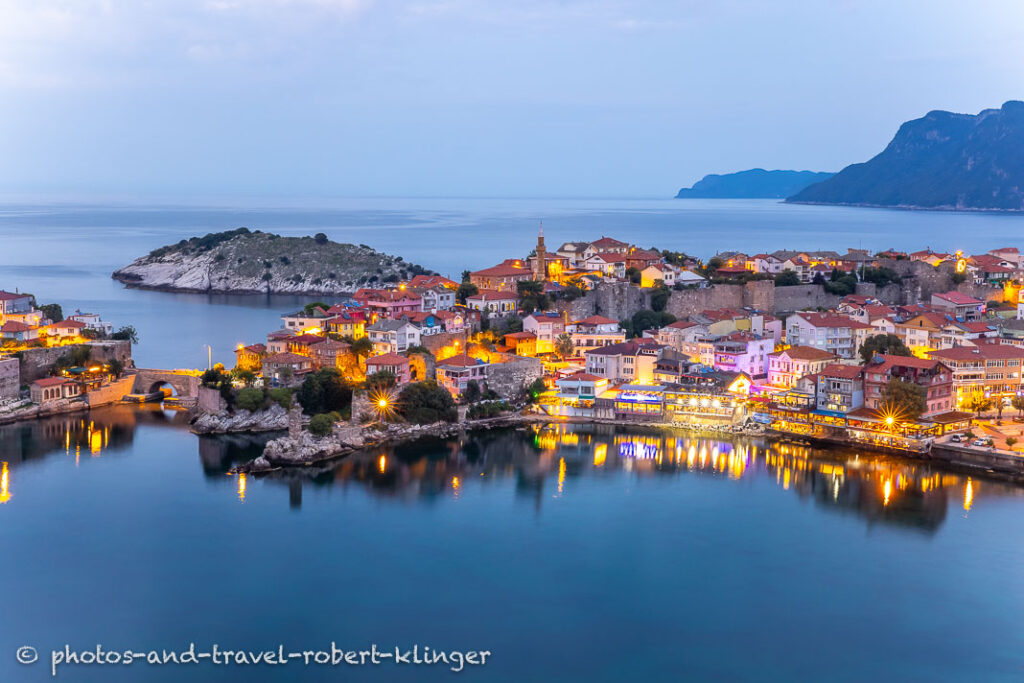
point(543, 463)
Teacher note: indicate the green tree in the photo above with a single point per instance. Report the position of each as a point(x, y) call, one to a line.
point(379, 381)
point(362, 347)
point(466, 290)
point(659, 298)
point(324, 391)
point(646, 320)
point(320, 238)
point(246, 377)
point(787, 278)
point(52, 311)
point(536, 388)
point(472, 392)
point(282, 396)
point(905, 400)
point(532, 296)
point(127, 332)
point(311, 307)
point(883, 343)
point(321, 424)
point(633, 275)
point(116, 367)
point(426, 402)
point(1011, 441)
point(564, 346)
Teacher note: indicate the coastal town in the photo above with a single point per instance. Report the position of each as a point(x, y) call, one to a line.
point(889, 350)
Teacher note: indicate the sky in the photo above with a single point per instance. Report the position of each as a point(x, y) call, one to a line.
point(467, 98)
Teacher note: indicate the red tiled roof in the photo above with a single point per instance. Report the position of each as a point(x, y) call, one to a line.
point(493, 295)
point(959, 299)
point(607, 242)
point(51, 381)
point(890, 361)
point(15, 326)
point(460, 361)
point(805, 353)
point(283, 358)
point(583, 377)
point(10, 296)
point(70, 323)
point(841, 371)
point(502, 270)
point(596, 320)
point(979, 352)
point(831, 320)
point(432, 281)
point(520, 335)
point(387, 359)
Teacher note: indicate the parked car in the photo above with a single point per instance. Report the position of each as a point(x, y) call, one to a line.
point(956, 438)
point(980, 442)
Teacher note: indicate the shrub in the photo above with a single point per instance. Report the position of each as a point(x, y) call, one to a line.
point(426, 402)
point(249, 399)
point(320, 238)
point(321, 424)
point(282, 396)
point(490, 409)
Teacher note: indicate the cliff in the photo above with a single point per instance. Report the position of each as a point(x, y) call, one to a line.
point(244, 261)
point(940, 161)
point(756, 183)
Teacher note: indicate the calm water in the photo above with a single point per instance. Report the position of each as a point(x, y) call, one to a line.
point(589, 555)
point(66, 253)
point(572, 554)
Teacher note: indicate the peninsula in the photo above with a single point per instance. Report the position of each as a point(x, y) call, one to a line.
point(942, 160)
point(247, 261)
point(755, 183)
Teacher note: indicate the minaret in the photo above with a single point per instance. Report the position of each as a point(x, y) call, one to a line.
point(540, 270)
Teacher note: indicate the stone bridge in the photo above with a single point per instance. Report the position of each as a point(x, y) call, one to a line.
point(184, 382)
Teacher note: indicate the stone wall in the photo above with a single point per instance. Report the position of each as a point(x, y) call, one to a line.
point(210, 401)
point(803, 297)
point(509, 377)
point(36, 363)
point(10, 377)
point(615, 300)
point(111, 393)
point(436, 342)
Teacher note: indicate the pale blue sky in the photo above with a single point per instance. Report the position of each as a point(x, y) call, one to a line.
point(332, 98)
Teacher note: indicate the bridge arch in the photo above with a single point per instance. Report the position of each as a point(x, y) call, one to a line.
point(183, 384)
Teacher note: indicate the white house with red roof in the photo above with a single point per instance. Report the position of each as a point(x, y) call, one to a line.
point(12, 329)
point(494, 301)
point(66, 328)
point(547, 327)
point(610, 264)
point(840, 335)
point(593, 332)
point(786, 367)
point(50, 389)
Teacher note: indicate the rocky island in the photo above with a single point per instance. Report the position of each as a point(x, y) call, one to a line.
point(756, 183)
point(247, 261)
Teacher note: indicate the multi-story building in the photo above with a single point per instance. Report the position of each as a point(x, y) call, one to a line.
point(393, 336)
point(834, 333)
point(503, 277)
point(840, 388)
point(493, 301)
point(987, 369)
point(934, 377)
point(456, 372)
point(388, 303)
point(547, 327)
point(631, 361)
point(577, 393)
point(680, 332)
point(743, 352)
point(593, 332)
point(959, 305)
point(788, 366)
point(437, 298)
point(390, 362)
point(13, 303)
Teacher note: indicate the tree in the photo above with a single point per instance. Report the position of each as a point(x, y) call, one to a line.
point(321, 424)
point(52, 312)
point(246, 377)
point(466, 290)
point(633, 275)
point(362, 347)
point(1018, 403)
point(959, 278)
point(999, 408)
point(646, 320)
point(787, 278)
point(127, 332)
point(536, 388)
point(564, 346)
point(906, 401)
point(659, 298)
point(472, 392)
point(1011, 441)
point(465, 276)
point(979, 404)
point(116, 367)
point(532, 296)
point(379, 381)
point(320, 238)
point(310, 307)
point(426, 402)
point(883, 343)
point(324, 391)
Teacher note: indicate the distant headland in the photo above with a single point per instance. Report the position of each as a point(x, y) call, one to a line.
point(756, 183)
point(942, 160)
point(250, 261)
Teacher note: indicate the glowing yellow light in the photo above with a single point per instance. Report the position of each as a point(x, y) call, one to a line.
point(887, 491)
point(382, 403)
point(382, 464)
point(600, 454)
point(456, 484)
point(561, 474)
point(5, 482)
point(890, 420)
point(242, 485)
point(968, 492)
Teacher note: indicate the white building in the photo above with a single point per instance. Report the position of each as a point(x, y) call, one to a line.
point(834, 333)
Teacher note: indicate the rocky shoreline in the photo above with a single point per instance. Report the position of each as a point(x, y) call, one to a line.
point(273, 419)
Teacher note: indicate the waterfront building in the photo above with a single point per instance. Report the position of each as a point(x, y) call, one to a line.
point(397, 365)
point(388, 303)
point(286, 368)
point(834, 333)
point(250, 357)
point(840, 389)
point(987, 369)
point(642, 259)
point(609, 264)
point(303, 320)
point(66, 328)
point(637, 402)
point(788, 366)
point(678, 333)
point(631, 361)
point(743, 352)
point(932, 376)
point(346, 322)
point(93, 322)
point(18, 331)
point(960, 306)
point(12, 303)
point(330, 353)
point(431, 281)
point(53, 389)
point(577, 393)
point(456, 372)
